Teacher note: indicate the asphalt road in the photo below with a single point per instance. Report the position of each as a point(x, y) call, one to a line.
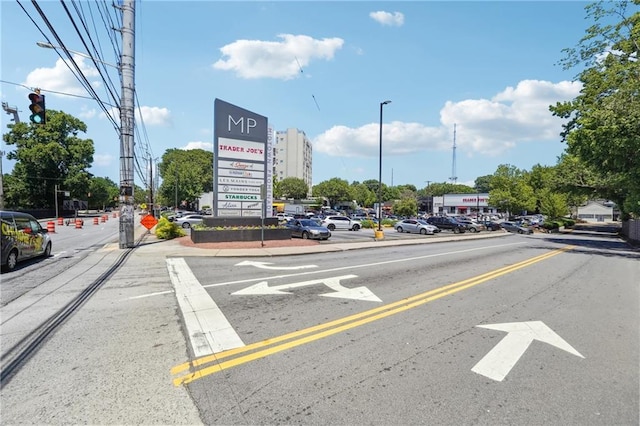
point(516, 330)
point(526, 330)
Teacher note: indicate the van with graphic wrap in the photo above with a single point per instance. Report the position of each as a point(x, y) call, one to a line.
point(22, 238)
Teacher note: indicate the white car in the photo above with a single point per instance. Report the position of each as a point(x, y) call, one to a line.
point(189, 220)
point(341, 222)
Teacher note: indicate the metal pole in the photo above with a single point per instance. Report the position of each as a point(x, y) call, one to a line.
point(380, 171)
point(127, 124)
point(56, 197)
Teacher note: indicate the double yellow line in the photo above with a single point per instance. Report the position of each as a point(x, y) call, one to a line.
point(277, 344)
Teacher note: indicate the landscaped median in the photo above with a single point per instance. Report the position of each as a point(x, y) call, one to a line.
point(225, 229)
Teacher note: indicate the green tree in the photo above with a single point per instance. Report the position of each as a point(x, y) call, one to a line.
point(364, 196)
point(186, 175)
point(603, 128)
point(104, 193)
point(553, 204)
point(483, 183)
point(439, 189)
point(48, 155)
point(335, 190)
point(293, 187)
point(510, 190)
point(406, 207)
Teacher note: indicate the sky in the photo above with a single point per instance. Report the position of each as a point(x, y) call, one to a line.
point(488, 69)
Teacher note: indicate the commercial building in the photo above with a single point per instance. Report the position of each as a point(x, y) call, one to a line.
point(292, 156)
point(463, 204)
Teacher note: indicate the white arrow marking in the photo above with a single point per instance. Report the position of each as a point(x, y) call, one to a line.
point(501, 359)
point(358, 293)
point(263, 265)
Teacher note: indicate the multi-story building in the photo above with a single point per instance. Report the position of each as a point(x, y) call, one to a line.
point(292, 156)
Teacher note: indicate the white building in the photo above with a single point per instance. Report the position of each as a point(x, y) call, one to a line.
point(292, 156)
point(594, 211)
point(463, 204)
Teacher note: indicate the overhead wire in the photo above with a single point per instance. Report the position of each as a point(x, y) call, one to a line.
point(98, 62)
point(76, 71)
point(97, 53)
point(111, 21)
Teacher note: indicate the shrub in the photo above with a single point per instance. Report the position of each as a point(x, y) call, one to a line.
point(167, 230)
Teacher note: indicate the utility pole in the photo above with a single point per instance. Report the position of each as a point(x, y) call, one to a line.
point(150, 208)
point(127, 123)
point(1, 183)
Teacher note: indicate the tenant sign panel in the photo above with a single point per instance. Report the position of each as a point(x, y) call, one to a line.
point(240, 161)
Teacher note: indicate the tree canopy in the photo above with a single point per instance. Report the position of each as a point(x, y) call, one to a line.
point(603, 128)
point(292, 187)
point(186, 175)
point(48, 155)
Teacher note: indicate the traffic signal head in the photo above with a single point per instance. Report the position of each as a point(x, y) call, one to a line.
point(37, 108)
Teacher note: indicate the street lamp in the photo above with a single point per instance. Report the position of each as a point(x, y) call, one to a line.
point(126, 70)
point(380, 172)
point(75, 52)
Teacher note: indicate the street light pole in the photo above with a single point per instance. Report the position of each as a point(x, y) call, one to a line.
point(380, 171)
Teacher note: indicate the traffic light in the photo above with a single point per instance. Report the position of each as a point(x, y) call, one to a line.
point(37, 108)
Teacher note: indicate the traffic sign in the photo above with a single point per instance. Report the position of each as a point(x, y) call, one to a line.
point(149, 221)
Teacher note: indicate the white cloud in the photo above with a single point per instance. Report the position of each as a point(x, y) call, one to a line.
point(102, 160)
point(87, 113)
point(61, 79)
point(150, 116)
point(285, 59)
point(387, 18)
point(154, 116)
point(484, 126)
point(207, 146)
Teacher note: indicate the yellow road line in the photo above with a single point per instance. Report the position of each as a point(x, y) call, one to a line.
point(311, 334)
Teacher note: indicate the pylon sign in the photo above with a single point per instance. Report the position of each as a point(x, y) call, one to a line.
point(37, 108)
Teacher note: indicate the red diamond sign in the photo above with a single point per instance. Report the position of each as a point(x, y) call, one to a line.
point(149, 221)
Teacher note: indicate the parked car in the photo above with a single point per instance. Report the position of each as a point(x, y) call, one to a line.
point(189, 220)
point(308, 228)
point(515, 227)
point(341, 222)
point(491, 225)
point(471, 225)
point(22, 237)
point(416, 226)
point(446, 222)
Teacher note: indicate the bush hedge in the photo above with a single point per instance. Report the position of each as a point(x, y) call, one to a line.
point(167, 230)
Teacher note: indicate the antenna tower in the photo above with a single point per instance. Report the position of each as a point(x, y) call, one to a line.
point(453, 177)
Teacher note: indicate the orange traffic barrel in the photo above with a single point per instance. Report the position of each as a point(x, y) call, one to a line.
point(60, 221)
point(78, 223)
point(103, 218)
point(96, 220)
point(115, 214)
point(51, 227)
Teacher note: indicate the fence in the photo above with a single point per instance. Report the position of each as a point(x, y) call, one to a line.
point(631, 230)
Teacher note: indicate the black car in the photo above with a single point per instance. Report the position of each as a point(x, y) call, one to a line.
point(491, 225)
point(446, 222)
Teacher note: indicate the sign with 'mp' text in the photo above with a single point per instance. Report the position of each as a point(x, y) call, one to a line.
point(240, 160)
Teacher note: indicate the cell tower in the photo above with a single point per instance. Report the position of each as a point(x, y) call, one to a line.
point(453, 177)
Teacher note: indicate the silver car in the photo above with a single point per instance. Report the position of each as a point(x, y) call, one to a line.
point(416, 226)
point(189, 220)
